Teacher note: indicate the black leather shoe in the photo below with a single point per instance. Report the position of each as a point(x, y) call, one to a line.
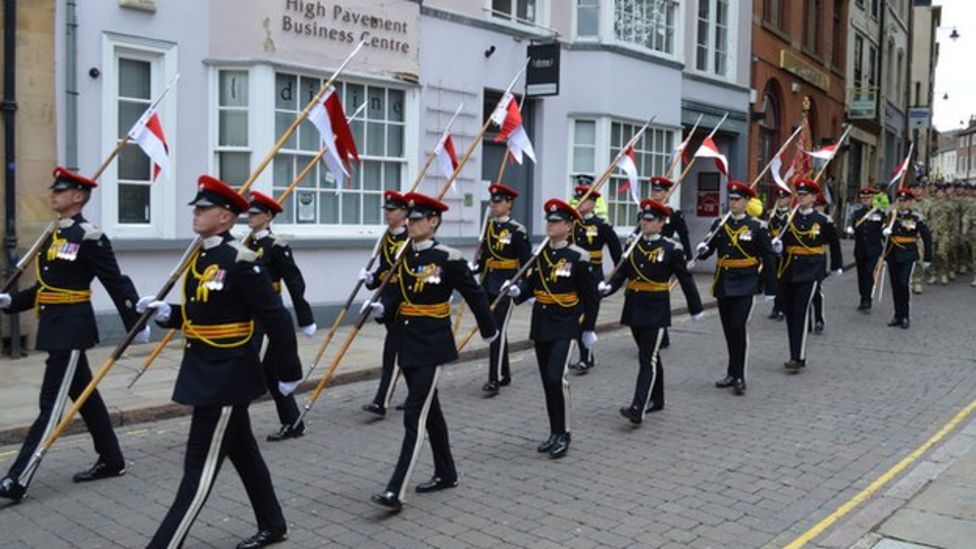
point(11, 490)
point(739, 387)
point(99, 471)
point(560, 447)
point(491, 388)
point(387, 500)
point(906, 324)
point(547, 445)
point(726, 381)
point(793, 366)
point(818, 327)
point(435, 484)
point(286, 432)
point(654, 407)
point(505, 382)
point(578, 367)
point(264, 538)
point(375, 409)
point(632, 414)
point(894, 322)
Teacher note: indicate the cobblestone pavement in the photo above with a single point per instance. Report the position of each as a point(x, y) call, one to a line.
point(711, 470)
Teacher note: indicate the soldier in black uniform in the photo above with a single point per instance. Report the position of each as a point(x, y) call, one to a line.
point(746, 266)
point(505, 248)
point(565, 308)
point(817, 321)
point(225, 291)
point(426, 279)
point(76, 253)
point(276, 256)
point(866, 226)
point(395, 210)
point(592, 233)
point(647, 303)
point(675, 229)
point(777, 219)
point(902, 253)
point(804, 244)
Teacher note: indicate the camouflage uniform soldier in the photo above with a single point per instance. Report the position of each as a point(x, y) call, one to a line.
point(924, 206)
point(941, 216)
point(969, 228)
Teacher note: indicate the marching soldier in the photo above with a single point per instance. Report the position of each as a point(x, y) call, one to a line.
point(565, 309)
point(592, 233)
point(805, 243)
point(395, 210)
point(505, 248)
point(427, 277)
point(647, 303)
point(866, 225)
point(225, 291)
point(940, 219)
point(902, 253)
point(777, 219)
point(817, 305)
point(275, 255)
point(674, 225)
point(78, 252)
point(746, 266)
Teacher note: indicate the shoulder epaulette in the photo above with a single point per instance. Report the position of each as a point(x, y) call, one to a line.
point(453, 254)
point(90, 232)
point(518, 226)
point(675, 243)
point(584, 255)
point(279, 239)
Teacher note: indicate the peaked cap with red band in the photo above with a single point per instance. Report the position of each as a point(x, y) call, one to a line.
point(421, 205)
point(64, 179)
point(659, 183)
point(905, 193)
point(500, 191)
point(214, 192)
point(652, 209)
point(867, 192)
point(808, 185)
point(739, 189)
point(582, 189)
point(393, 200)
point(558, 210)
point(821, 200)
point(262, 203)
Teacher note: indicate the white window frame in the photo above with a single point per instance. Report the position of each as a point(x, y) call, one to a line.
point(262, 137)
point(601, 19)
point(162, 57)
point(540, 26)
point(610, 36)
point(731, 53)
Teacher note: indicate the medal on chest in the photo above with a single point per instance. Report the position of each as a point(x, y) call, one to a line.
point(655, 255)
point(426, 274)
point(561, 268)
point(503, 239)
point(591, 233)
point(815, 230)
point(908, 224)
point(212, 280)
point(60, 248)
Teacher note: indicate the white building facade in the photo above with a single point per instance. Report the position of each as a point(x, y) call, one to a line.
point(247, 67)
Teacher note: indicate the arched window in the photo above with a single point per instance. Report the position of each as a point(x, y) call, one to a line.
point(769, 129)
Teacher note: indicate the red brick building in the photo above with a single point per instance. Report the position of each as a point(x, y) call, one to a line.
point(798, 51)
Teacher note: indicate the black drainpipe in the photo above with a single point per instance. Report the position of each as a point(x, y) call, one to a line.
point(9, 107)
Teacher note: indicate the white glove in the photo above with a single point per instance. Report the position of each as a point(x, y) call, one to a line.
point(604, 287)
point(142, 336)
point(701, 248)
point(697, 317)
point(838, 272)
point(926, 264)
point(373, 308)
point(310, 330)
point(5, 301)
point(366, 276)
point(850, 231)
point(777, 246)
point(288, 387)
point(472, 266)
point(512, 290)
point(886, 231)
point(768, 298)
point(491, 339)
point(163, 310)
point(589, 339)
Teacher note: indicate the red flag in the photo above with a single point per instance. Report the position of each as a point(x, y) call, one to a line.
point(148, 133)
point(709, 149)
point(345, 144)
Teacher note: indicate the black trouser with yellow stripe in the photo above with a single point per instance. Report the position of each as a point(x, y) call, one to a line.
point(217, 432)
point(66, 374)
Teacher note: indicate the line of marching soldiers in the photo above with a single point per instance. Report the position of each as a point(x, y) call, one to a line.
point(950, 210)
point(239, 339)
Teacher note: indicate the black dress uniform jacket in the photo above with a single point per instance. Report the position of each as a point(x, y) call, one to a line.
point(805, 245)
point(592, 234)
point(867, 233)
point(275, 254)
point(506, 248)
point(223, 291)
point(425, 280)
point(77, 253)
point(564, 289)
point(776, 221)
point(676, 225)
point(746, 263)
point(647, 273)
point(903, 245)
point(392, 242)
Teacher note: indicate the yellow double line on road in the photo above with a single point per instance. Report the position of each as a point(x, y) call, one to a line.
point(879, 482)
